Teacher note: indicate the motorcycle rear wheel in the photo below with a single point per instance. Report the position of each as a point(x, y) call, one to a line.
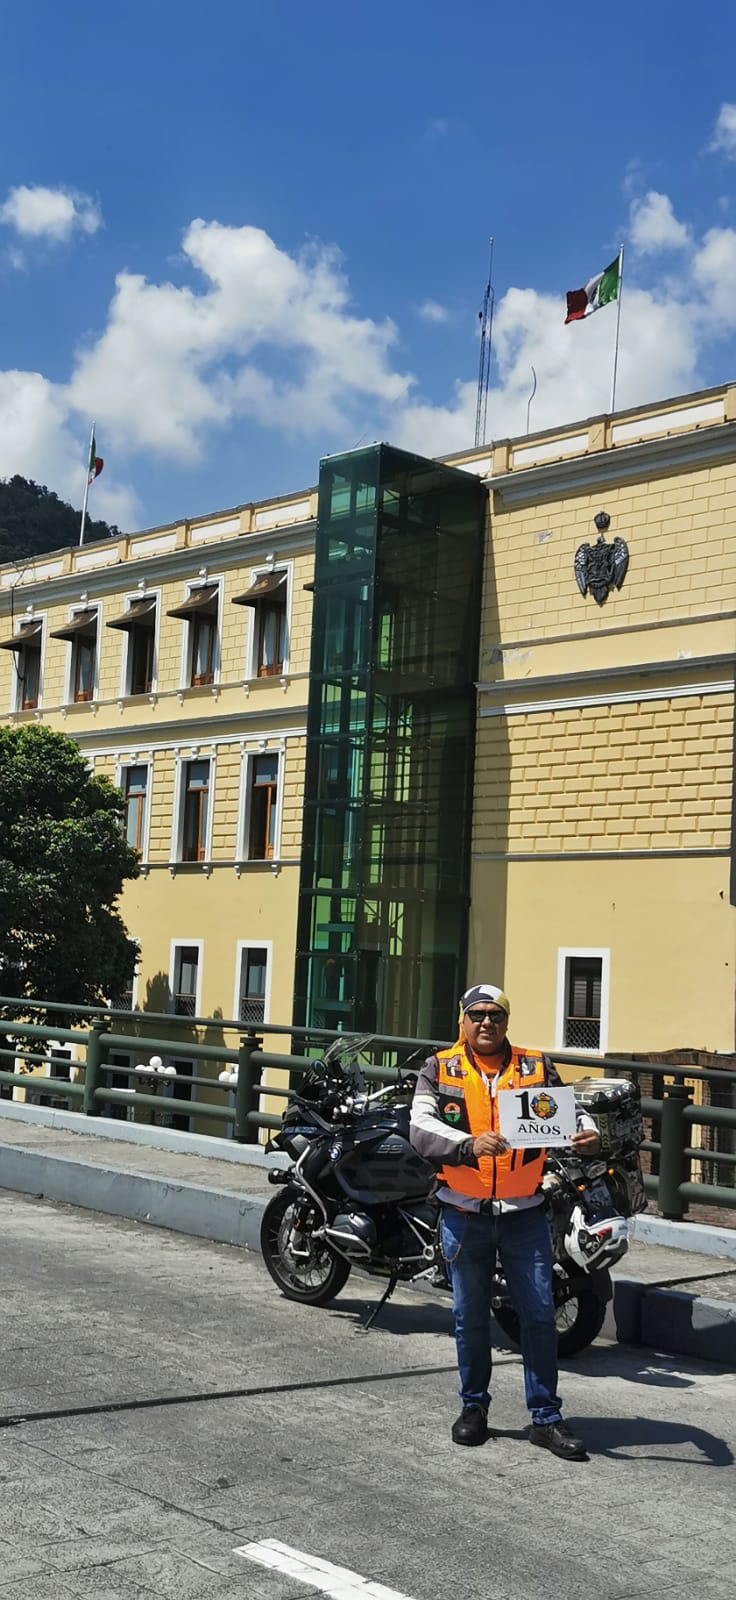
point(312, 1279)
point(579, 1321)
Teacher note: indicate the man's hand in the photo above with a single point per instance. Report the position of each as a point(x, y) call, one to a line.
point(489, 1144)
point(586, 1143)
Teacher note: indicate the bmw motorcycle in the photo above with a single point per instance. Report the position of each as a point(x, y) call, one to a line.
point(357, 1195)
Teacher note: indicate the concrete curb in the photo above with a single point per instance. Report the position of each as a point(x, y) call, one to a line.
point(661, 1317)
point(215, 1214)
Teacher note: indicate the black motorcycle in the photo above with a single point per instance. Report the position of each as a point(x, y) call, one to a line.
point(357, 1194)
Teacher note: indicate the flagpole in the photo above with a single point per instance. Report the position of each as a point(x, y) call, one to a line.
point(618, 325)
point(86, 486)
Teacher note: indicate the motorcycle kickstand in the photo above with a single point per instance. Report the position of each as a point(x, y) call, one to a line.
point(392, 1282)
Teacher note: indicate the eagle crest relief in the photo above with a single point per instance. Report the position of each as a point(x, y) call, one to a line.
point(601, 567)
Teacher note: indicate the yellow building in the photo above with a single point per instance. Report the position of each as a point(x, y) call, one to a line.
point(598, 882)
point(602, 880)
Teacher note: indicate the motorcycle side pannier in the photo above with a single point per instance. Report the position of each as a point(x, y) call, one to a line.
point(615, 1106)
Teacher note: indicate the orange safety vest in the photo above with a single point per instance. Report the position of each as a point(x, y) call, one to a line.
point(466, 1102)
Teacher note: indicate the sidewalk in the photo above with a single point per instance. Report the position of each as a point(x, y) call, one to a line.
point(678, 1300)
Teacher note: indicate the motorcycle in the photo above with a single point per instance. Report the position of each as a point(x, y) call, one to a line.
point(358, 1194)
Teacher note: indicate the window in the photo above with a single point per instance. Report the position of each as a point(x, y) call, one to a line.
point(262, 800)
point(139, 623)
point(81, 633)
point(195, 808)
point(267, 597)
point(135, 790)
point(200, 611)
point(26, 646)
point(582, 1000)
point(185, 979)
point(252, 983)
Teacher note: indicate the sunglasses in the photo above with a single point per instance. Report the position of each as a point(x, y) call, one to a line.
point(479, 1016)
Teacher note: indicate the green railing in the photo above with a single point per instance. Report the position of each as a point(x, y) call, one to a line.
point(245, 1067)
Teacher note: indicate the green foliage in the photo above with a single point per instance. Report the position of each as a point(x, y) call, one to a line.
point(63, 862)
point(33, 519)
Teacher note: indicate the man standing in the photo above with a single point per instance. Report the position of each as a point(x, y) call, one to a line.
point(490, 1205)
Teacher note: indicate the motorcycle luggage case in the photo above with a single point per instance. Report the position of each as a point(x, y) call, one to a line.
point(615, 1106)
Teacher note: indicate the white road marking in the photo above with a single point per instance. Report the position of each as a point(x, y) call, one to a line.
point(337, 1582)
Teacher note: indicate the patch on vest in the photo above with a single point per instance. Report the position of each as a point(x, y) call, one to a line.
point(452, 1111)
point(455, 1068)
point(527, 1067)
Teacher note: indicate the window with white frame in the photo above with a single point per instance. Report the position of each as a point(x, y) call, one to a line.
point(200, 613)
point(81, 634)
point(195, 803)
point(582, 1000)
point(185, 979)
point(138, 625)
point(26, 646)
point(261, 800)
point(252, 988)
point(134, 782)
point(267, 598)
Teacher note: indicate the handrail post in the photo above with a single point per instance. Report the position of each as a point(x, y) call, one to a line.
point(96, 1059)
point(246, 1099)
point(673, 1163)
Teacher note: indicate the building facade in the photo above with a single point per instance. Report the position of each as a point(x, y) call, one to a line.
point(374, 742)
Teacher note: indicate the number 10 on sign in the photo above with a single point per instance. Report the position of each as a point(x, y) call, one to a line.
point(540, 1116)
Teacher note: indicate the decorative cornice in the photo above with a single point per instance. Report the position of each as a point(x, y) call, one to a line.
point(240, 550)
point(644, 669)
point(620, 463)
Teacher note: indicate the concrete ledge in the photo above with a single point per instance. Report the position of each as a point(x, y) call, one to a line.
point(187, 1144)
point(206, 1213)
point(707, 1241)
point(688, 1325)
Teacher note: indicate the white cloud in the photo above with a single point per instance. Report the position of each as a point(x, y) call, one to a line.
point(54, 214)
point(432, 311)
point(724, 133)
point(654, 226)
point(714, 270)
point(173, 361)
point(256, 333)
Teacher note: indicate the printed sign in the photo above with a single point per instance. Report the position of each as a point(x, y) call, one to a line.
point(529, 1117)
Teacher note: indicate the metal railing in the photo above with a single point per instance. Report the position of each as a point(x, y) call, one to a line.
point(243, 1082)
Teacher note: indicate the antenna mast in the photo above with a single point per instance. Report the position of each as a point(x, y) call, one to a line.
point(484, 367)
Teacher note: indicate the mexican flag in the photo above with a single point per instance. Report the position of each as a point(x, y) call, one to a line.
point(95, 463)
point(598, 291)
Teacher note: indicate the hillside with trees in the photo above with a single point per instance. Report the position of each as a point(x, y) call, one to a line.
point(33, 520)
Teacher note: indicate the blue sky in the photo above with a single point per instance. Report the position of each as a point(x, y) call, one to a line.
point(241, 237)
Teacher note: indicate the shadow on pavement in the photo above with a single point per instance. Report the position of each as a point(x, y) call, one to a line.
point(610, 1436)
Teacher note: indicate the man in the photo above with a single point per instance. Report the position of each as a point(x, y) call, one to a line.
point(490, 1203)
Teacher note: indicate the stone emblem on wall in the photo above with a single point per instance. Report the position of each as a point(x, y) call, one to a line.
point(601, 567)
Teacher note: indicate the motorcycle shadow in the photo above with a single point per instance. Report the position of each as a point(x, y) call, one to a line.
point(396, 1317)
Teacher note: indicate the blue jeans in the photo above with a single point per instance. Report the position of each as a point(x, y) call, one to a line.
point(470, 1242)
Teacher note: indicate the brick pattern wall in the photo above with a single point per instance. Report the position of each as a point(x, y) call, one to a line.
point(681, 547)
point(645, 776)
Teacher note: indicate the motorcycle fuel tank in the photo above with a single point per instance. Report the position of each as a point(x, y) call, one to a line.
point(378, 1165)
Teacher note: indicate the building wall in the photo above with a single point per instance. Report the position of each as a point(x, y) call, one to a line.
point(227, 900)
point(603, 814)
point(605, 750)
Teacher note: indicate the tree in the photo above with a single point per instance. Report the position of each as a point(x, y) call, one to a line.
point(63, 862)
point(33, 519)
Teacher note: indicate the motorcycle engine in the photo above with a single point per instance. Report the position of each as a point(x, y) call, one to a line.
point(353, 1233)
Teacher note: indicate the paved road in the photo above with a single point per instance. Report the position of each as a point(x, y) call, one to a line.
point(335, 1444)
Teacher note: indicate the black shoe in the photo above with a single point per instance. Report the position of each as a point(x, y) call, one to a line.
point(556, 1436)
point(471, 1426)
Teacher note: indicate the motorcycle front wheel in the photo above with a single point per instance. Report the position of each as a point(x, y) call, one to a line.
point(313, 1277)
point(579, 1321)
